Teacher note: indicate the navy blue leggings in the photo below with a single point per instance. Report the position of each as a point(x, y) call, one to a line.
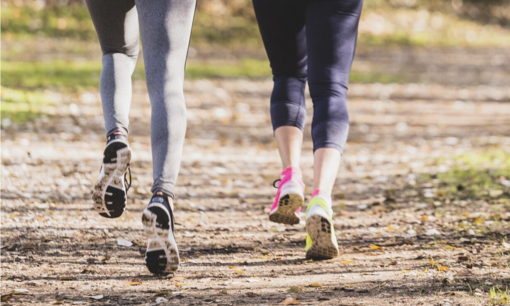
point(310, 40)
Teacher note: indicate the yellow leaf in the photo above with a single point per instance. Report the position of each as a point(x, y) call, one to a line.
point(135, 282)
point(262, 256)
point(290, 301)
point(479, 221)
point(179, 285)
point(390, 228)
point(443, 268)
point(406, 271)
point(424, 218)
point(233, 267)
point(347, 262)
point(315, 285)
point(224, 292)
point(449, 247)
point(238, 272)
point(375, 247)
point(294, 289)
point(6, 297)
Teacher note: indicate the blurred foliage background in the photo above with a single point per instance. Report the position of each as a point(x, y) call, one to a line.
point(232, 22)
point(52, 44)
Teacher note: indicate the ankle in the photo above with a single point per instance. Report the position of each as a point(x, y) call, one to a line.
point(294, 170)
point(116, 134)
point(322, 193)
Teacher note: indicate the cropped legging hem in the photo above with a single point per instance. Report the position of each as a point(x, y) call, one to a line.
point(166, 188)
point(333, 145)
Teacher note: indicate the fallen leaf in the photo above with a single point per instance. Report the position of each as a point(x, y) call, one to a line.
point(443, 268)
point(180, 285)
point(239, 272)
point(59, 303)
point(424, 218)
point(28, 246)
point(161, 293)
point(375, 247)
point(67, 278)
point(233, 267)
point(449, 247)
point(479, 221)
point(224, 292)
point(390, 228)
point(6, 297)
point(97, 297)
point(505, 244)
point(315, 285)
point(347, 262)
point(348, 288)
point(294, 289)
point(290, 301)
point(135, 282)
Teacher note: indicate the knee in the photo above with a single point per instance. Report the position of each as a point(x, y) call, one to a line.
point(131, 51)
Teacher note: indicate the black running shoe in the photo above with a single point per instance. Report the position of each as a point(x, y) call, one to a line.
point(162, 255)
point(110, 191)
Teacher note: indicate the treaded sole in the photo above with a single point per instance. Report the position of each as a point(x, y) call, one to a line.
point(286, 211)
point(109, 191)
point(319, 229)
point(162, 255)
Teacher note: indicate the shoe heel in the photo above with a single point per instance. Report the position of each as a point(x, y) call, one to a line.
point(286, 211)
point(319, 229)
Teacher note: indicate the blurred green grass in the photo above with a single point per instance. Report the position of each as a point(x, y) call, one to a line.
point(475, 175)
point(72, 76)
point(22, 105)
point(23, 83)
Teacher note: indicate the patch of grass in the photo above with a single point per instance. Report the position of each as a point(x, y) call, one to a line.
point(63, 75)
point(474, 175)
point(251, 68)
point(498, 296)
point(72, 76)
point(20, 105)
point(57, 74)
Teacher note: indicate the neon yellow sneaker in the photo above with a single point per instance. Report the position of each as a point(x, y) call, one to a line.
point(320, 234)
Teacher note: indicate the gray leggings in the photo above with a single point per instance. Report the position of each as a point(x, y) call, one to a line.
point(165, 27)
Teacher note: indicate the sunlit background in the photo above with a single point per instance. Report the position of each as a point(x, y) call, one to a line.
point(422, 201)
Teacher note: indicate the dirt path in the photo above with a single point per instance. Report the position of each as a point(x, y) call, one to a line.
point(63, 253)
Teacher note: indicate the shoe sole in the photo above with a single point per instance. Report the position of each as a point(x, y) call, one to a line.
point(106, 191)
point(319, 229)
point(286, 211)
point(162, 255)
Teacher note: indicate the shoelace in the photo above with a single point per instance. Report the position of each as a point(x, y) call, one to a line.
point(274, 183)
point(126, 182)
